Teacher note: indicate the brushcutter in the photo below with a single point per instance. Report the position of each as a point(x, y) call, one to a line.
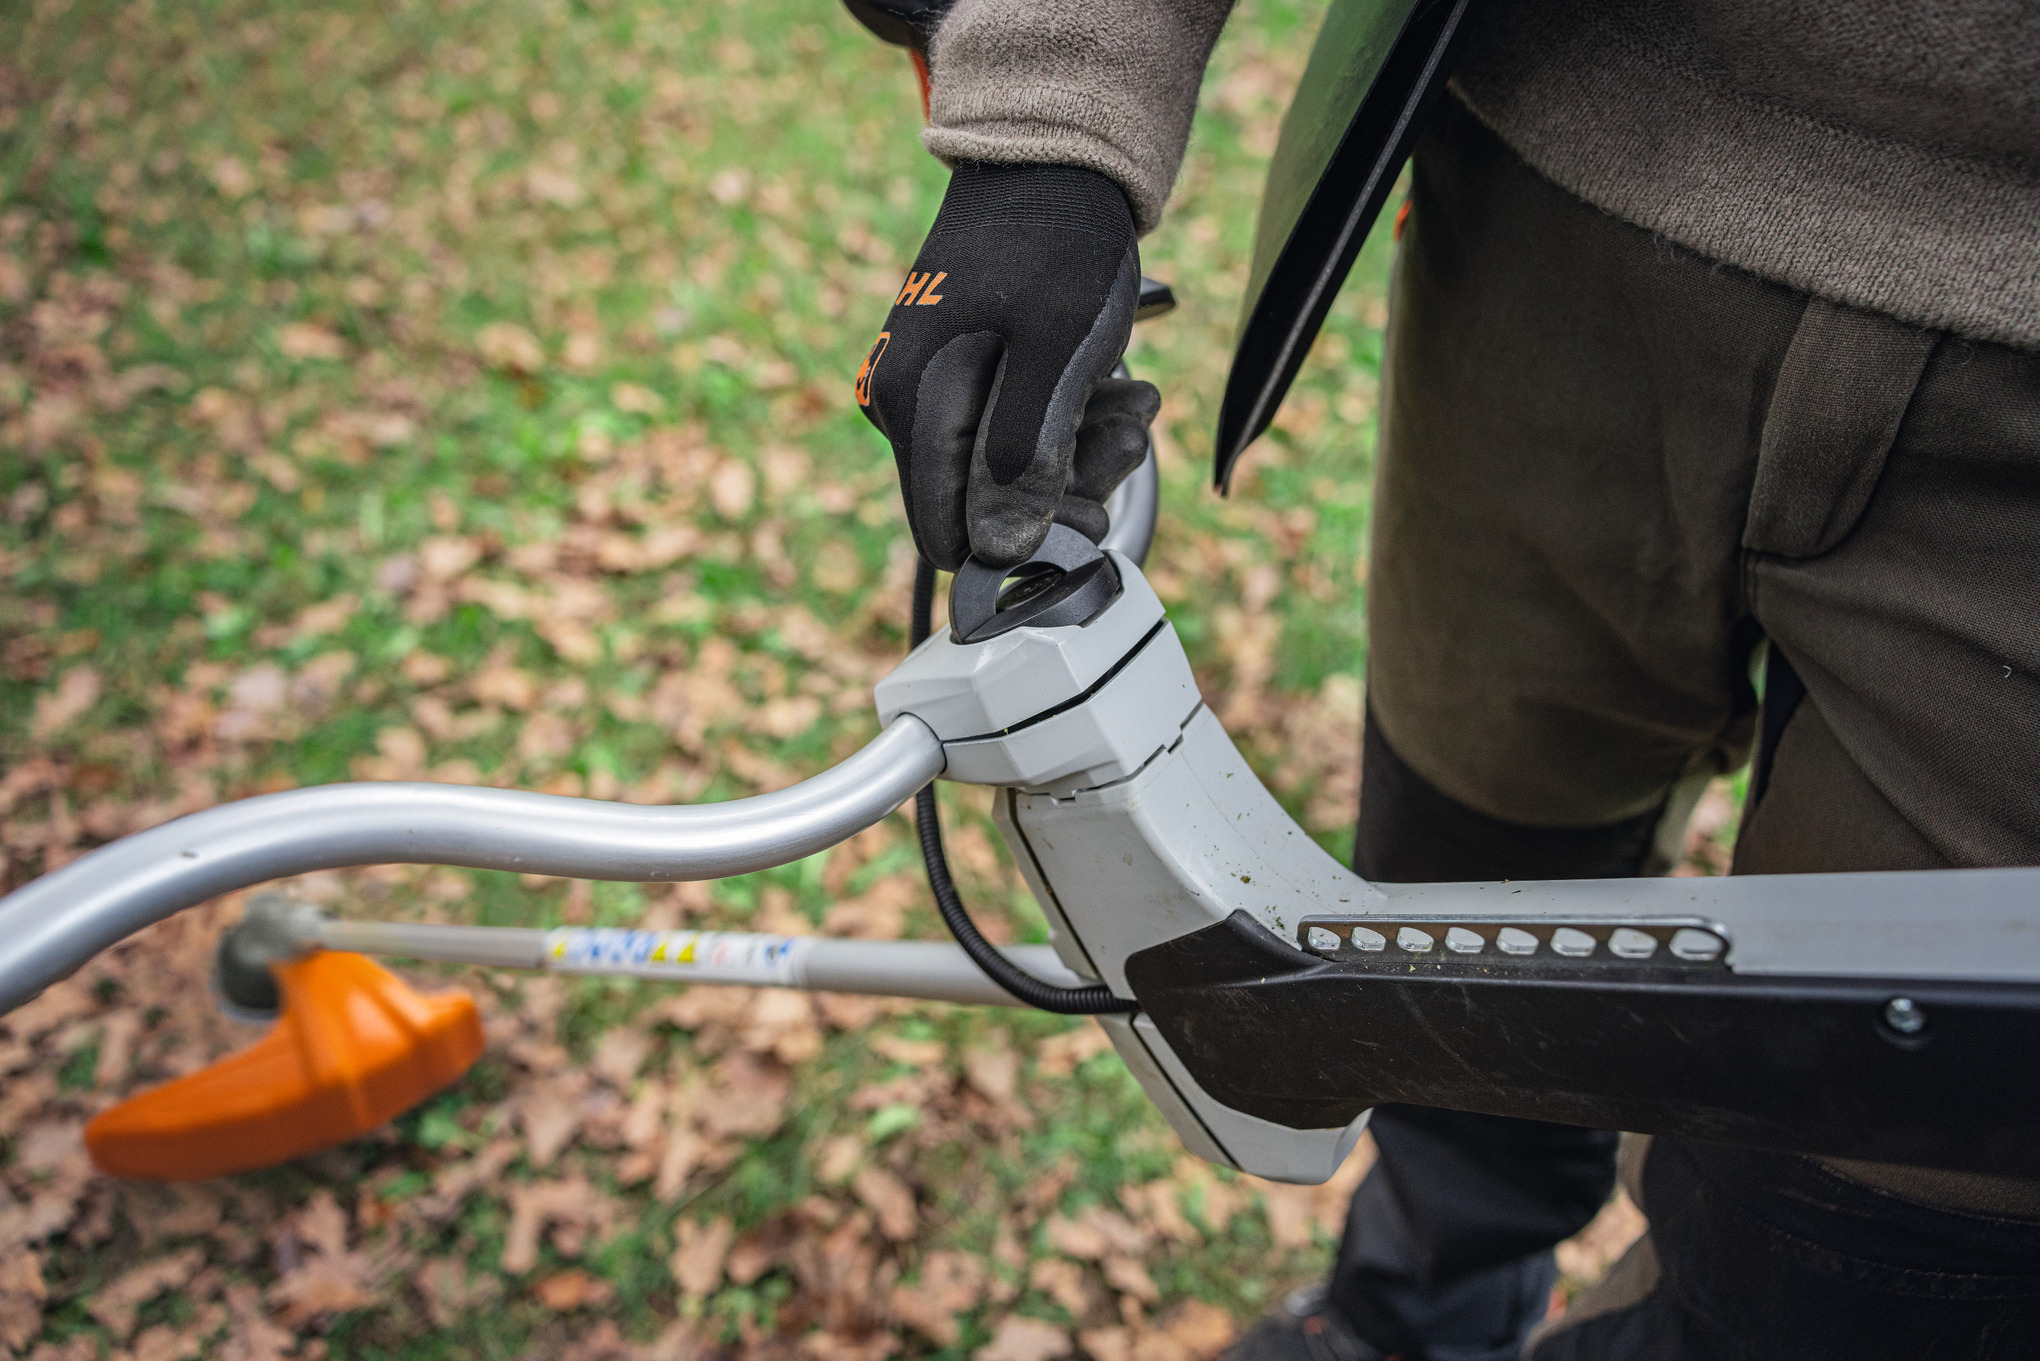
point(1264, 995)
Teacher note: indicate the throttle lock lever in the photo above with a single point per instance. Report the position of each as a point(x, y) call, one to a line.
point(1067, 581)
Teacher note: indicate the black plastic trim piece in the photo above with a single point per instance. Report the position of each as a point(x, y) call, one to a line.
point(1808, 1065)
point(903, 23)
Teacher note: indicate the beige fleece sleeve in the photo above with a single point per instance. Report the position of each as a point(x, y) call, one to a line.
point(1105, 84)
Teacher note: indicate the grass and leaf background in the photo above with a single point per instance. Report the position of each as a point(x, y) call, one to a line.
point(461, 391)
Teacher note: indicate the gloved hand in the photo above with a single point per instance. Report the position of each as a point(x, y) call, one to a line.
point(991, 377)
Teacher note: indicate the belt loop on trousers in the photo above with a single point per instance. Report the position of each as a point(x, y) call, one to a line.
point(1842, 391)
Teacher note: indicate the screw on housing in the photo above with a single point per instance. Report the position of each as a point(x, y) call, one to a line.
point(1904, 1015)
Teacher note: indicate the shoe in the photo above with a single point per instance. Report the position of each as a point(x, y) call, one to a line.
point(1304, 1327)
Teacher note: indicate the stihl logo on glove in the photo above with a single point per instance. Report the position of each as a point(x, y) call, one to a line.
point(923, 285)
point(1000, 406)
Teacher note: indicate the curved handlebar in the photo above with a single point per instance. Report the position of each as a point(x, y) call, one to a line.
point(1134, 506)
point(49, 927)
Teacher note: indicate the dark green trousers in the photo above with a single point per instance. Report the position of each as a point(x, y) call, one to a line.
point(1612, 471)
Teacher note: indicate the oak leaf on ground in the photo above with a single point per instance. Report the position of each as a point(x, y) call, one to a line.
point(114, 1305)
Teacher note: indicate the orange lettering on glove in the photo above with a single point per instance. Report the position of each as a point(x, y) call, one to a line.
point(870, 363)
point(924, 285)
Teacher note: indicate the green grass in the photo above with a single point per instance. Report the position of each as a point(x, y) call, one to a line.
point(286, 503)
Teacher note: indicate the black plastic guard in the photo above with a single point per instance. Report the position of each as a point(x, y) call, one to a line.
point(1804, 1064)
point(1374, 72)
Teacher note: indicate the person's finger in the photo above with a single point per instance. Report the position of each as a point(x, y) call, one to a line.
point(1021, 465)
point(934, 461)
point(1088, 518)
point(1009, 520)
point(1113, 439)
point(1061, 348)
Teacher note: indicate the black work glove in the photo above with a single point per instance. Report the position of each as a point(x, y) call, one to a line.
point(991, 377)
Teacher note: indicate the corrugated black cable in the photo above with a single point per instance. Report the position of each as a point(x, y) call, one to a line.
point(1092, 1000)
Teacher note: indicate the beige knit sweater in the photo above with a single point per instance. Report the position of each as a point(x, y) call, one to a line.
point(1880, 153)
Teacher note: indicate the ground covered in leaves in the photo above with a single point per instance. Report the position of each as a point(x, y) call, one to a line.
point(462, 392)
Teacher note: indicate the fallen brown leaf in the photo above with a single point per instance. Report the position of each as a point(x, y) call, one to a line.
point(1094, 1233)
point(697, 1260)
point(1064, 1282)
point(114, 1306)
point(1059, 1055)
point(889, 1199)
point(22, 1293)
point(950, 1284)
point(913, 1053)
point(549, 1112)
point(759, 1249)
point(684, 1151)
point(572, 1204)
point(252, 1336)
point(451, 1290)
point(1157, 1346)
point(505, 345)
point(77, 692)
point(825, 1345)
point(173, 1342)
point(619, 1054)
point(1204, 1330)
point(323, 1285)
point(1019, 1338)
point(838, 1158)
point(1129, 1277)
point(308, 340)
point(747, 1098)
point(993, 1071)
point(1107, 1344)
point(570, 1290)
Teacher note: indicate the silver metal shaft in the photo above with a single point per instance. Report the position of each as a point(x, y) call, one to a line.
point(51, 926)
point(921, 969)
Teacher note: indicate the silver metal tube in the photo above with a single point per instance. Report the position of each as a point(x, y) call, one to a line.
point(926, 970)
point(51, 926)
point(923, 969)
point(498, 947)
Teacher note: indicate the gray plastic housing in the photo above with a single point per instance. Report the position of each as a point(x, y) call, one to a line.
point(1135, 820)
point(1052, 709)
